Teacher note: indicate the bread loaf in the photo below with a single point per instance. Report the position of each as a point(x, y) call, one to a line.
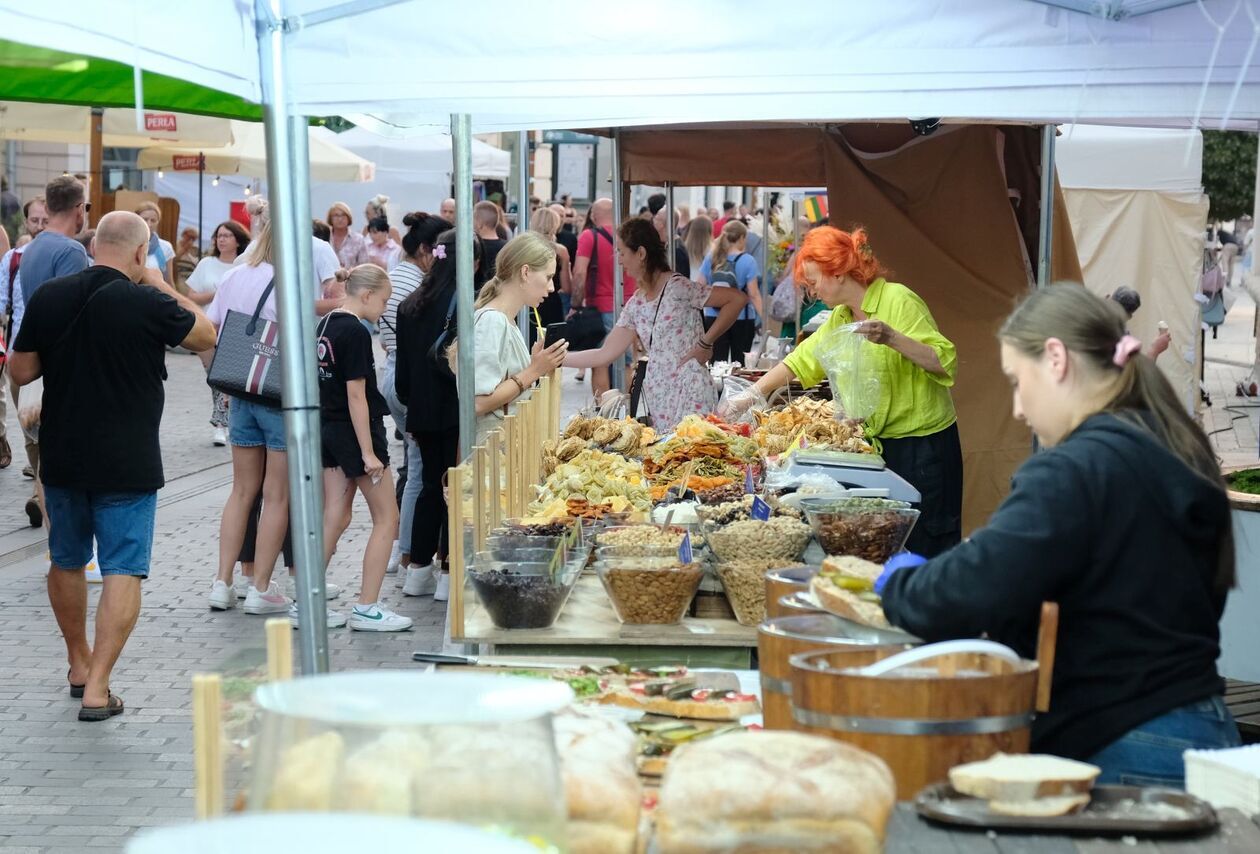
point(1017, 778)
point(772, 792)
point(601, 784)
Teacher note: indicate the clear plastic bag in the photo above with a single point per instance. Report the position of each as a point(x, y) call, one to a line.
point(733, 386)
point(845, 357)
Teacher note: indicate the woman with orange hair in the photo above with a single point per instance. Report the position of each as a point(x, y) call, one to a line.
point(914, 423)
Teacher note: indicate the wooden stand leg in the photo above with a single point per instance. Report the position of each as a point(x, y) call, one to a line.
point(511, 436)
point(456, 552)
point(493, 444)
point(208, 743)
point(481, 496)
point(279, 650)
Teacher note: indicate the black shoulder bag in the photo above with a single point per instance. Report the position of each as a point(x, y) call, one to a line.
point(246, 361)
point(437, 353)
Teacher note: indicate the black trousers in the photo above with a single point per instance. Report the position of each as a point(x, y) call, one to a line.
point(933, 465)
point(439, 451)
point(732, 344)
point(251, 536)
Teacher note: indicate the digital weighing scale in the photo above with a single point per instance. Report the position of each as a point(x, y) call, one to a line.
point(852, 471)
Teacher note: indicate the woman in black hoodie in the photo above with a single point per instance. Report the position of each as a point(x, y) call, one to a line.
point(426, 386)
point(1124, 521)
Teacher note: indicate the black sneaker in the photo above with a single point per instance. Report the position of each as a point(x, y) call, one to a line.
point(34, 513)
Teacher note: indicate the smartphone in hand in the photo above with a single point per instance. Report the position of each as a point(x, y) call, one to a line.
point(555, 333)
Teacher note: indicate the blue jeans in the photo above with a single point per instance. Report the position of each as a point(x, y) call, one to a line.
point(121, 523)
point(1150, 754)
point(251, 425)
point(411, 490)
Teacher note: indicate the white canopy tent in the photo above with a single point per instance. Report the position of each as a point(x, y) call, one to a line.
point(959, 59)
point(415, 173)
point(1186, 66)
point(1136, 202)
point(247, 155)
point(20, 120)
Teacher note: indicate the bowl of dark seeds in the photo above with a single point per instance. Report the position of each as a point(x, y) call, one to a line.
point(523, 595)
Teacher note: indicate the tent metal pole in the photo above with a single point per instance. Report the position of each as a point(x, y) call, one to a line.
point(461, 142)
point(1045, 240)
point(765, 259)
point(618, 366)
point(201, 191)
point(522, 211)
point(671, 227)
point(288, 179)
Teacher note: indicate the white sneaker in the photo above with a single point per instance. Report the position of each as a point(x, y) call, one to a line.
point(395, 557)
point(220, 437)
point(271, 602)
point(331, 591)
point(335, 620)
point(443, 591)
point(242, 583)
point(222, 596)
point(92, 572)
point(374, 618)
point(420, 581)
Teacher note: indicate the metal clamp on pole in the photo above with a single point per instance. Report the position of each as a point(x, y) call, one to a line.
point(288, 177)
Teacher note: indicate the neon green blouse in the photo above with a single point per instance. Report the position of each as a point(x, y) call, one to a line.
point(912, 401)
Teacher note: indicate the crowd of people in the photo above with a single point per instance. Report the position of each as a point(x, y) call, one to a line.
point(95, 322)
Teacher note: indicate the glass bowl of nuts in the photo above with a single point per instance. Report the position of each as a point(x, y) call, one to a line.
point(873, 529)
point(780, 539)
point(643, 594)
point(745, 584)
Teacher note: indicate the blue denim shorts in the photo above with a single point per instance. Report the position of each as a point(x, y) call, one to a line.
point(251, 425)
point(1151, 754)
point(121, 523)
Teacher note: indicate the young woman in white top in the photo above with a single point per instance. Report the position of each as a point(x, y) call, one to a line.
point(230, 240)
point(505, 367)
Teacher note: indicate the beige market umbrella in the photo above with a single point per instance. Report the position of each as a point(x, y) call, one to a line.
point(247, 155)
point(20, 120)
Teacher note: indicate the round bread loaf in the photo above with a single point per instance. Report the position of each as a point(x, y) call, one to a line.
point(769, 792)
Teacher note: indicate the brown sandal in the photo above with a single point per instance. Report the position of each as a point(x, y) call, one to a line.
point(102, 713)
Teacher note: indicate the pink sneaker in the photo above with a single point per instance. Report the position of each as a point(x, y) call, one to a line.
point(271, 602)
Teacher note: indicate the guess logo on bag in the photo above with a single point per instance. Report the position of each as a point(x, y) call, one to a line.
point(265, 350)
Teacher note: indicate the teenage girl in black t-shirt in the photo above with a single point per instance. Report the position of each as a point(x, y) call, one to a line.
point(352, 433)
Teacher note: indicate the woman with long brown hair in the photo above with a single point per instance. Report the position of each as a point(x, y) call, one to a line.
point(664, 316)
point(1123, 520)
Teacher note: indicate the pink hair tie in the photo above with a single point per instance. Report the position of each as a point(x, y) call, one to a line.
point(1125, 347)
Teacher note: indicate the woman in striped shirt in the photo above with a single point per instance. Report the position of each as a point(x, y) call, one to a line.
point(415, 260)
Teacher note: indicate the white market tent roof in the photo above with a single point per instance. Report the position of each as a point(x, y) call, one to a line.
point(247, 155)
point(420, 154)
point(21, 120)
point(580, 65)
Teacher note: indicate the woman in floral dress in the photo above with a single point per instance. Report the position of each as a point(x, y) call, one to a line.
point(664, 317)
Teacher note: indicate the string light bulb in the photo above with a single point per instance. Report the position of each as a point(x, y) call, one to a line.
point(215, 182)
point(159, 173)
point(247, 191)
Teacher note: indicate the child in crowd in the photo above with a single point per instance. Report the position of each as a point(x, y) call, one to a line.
point(355, 453)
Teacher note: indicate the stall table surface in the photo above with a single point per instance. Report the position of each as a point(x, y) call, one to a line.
point(908, 833)
point(1243, 700)
point(589, 626)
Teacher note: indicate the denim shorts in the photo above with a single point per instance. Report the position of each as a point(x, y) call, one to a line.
point(1151, 754)
point(251, 425)
point(121, 523)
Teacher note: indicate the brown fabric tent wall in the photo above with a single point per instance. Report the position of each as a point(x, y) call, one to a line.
point(953, 215)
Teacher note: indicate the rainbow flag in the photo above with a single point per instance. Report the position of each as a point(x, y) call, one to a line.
point(815, 208)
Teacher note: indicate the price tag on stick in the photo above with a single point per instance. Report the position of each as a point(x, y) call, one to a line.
point(760, 509)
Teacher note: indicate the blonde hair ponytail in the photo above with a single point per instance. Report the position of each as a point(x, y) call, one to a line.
point(733, 232)
point(364, 277)
point(528, 249)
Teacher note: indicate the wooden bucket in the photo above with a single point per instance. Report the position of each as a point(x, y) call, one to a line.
point(921, 720)
point(780, 638)
point(784, 582)
point(794, 605)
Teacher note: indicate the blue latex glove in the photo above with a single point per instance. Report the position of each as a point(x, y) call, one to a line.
point(895, 563)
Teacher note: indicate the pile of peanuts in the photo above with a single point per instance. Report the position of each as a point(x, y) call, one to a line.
point(745, 585)
point(641, 535)
point(780, 539)
point(643, 596)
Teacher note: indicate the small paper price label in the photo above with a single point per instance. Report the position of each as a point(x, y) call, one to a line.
point(760, 509)
point(684, 549)
point(748, 481)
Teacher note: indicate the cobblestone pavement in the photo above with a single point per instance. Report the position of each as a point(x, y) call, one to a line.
point(68, 786)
